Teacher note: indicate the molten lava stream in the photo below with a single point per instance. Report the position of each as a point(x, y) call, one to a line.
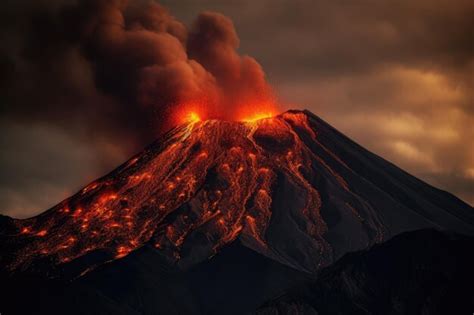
point(208, 177)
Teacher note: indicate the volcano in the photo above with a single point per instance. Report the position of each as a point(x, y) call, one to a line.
point(288, 192)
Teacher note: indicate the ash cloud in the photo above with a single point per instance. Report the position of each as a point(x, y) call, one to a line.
point(124, 67)
point(241, 78)
point(110, 74)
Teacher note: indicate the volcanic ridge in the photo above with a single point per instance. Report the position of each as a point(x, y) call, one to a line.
point(289, 187)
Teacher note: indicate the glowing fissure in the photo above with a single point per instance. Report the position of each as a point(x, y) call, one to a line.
point(210, 181)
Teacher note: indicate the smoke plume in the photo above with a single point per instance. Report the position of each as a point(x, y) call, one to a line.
point(124, 68)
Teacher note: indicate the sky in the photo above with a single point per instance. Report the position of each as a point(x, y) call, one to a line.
point(84, 84)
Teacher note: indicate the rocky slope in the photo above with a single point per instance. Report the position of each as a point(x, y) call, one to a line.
point(289, 192)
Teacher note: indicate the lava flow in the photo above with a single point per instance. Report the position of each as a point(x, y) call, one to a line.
point(203, 185)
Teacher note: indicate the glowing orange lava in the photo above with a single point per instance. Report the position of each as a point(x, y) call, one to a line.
point(257, 116)
point(255, 111)
point(192, 117)
point(214, 181)
point(201, 110)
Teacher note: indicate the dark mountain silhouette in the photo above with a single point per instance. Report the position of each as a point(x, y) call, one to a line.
point(219, 217)
point(421, 272)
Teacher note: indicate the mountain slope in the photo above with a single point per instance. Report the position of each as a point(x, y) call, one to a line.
point(291, 188)
point(420, 272)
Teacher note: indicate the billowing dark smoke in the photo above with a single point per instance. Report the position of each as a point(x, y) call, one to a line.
point(138, 53)
point(123, 68)
point(241, 80)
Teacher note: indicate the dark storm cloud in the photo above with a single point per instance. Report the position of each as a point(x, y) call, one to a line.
point(334, 37)
point(395, 75)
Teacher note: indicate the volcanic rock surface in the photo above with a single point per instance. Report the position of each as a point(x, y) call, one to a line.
point(290, 187)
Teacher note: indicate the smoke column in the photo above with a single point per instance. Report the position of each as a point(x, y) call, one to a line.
point(147, 59)
point(127, 68)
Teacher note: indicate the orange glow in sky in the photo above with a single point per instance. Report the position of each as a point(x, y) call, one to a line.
point(192, 117)
point(257, 116)
point(194, 112)
point(256, 110)
point(189, 113)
